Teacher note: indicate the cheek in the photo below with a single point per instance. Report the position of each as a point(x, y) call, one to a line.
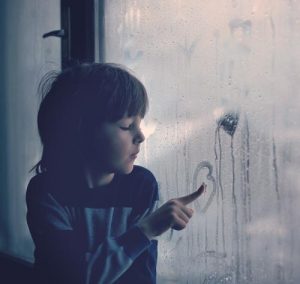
point(119, 146)
point(113, 147)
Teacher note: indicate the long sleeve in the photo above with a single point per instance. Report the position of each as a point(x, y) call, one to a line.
point(61, 251)
point(143, 270)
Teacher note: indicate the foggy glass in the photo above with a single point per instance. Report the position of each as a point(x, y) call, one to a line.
point(26, 59)
point(223, 79)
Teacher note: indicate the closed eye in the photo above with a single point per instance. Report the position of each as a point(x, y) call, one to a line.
point(126, 128)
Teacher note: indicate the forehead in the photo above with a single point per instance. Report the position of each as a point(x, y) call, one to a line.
point(126, 118)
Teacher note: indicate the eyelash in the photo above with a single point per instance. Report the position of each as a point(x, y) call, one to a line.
point(126, 128)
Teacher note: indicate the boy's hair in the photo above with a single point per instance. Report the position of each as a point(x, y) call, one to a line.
point(75, 102)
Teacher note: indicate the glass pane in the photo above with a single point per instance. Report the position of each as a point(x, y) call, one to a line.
point(27, 58)
point(223, 79)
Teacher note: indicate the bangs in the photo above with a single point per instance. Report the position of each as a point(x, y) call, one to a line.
point(128, 97)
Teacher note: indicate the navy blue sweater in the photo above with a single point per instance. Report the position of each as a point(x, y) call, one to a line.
point(84, 235)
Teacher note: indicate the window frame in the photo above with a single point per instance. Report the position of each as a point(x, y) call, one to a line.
point(82, 22)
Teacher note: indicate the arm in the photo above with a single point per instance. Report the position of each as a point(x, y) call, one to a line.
point(143, 269)
point(60, 255)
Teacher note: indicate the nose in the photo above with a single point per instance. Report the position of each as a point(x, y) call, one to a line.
point(139, 137)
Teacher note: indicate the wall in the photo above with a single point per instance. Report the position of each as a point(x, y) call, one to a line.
point(26, 57)
point(223, 80)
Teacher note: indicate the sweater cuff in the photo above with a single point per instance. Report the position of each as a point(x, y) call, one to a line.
point(134, 242)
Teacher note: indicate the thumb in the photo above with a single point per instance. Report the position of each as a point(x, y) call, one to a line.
point(193, 196)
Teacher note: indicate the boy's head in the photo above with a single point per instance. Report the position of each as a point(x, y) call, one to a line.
point(76, 103)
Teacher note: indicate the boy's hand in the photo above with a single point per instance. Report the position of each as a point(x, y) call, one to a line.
point(173, 214)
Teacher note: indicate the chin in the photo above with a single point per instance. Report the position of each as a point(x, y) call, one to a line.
point(127, 170)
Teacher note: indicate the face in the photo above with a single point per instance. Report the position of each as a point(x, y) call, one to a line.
point(117, 144)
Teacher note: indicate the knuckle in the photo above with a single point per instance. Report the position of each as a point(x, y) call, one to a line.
point(186, 220)
point(173, 202)
point(173, 214)
point(172, 208)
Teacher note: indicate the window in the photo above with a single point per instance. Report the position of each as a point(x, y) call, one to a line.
point(223, 80)
point(27, 56)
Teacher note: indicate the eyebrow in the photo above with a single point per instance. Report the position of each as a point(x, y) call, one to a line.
point(131, 118)
point(125, 119)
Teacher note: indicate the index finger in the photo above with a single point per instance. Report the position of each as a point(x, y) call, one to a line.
point(193, 196)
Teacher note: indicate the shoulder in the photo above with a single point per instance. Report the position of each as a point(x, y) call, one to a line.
point(36, 193)
point(45, 210)
point(40, 188)
point(35, 186)
point(142, 173)
point(141, 185)
point(142, 177)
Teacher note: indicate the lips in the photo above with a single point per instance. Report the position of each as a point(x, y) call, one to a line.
point(134, 155)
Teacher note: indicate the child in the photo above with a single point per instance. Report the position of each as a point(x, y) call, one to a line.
point(91, 211)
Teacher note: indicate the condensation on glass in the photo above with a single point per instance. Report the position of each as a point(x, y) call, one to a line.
point(27, 58)
point(223, 79)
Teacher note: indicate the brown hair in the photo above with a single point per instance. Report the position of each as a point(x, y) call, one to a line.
point(76, 101)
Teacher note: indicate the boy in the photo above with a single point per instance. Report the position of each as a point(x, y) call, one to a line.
point(91, 212)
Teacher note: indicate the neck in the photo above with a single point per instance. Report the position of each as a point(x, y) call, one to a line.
point(96, 178)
